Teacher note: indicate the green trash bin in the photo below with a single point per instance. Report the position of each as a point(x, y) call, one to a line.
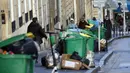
point(76, 43)
point(16, 64)
point(53, 39)
point(102, 32)
point(90, 41)
point(90, 44)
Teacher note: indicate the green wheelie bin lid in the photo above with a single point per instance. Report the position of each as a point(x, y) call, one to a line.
point(12, 40)
point(89, 33)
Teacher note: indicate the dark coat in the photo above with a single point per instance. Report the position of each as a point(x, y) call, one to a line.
point(36, 29)
point(120, 21)
point(82, 24)
point(108, 26)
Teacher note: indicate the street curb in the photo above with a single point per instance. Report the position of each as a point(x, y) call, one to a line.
point(113, 39)
point(102, 62)
point(105, 58)
point(94, 70)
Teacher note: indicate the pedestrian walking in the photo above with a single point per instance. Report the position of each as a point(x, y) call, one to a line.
point(120, 21)
point(108, 26)
point(38, 32)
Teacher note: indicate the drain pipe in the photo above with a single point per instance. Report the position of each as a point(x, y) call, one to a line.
point(100, 17)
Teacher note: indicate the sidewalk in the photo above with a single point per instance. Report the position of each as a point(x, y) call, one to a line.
point(120, 60)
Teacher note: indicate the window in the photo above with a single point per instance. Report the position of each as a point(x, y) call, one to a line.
point(3, 18)
point(31, 14)
point(13, 26)
point(84, 15)
point(58, 10)
point(47, 27)
point(70, 18)
point(67, 22)
point(73, 16)
point(56, 20)
point(20, 21)
point(26, 17)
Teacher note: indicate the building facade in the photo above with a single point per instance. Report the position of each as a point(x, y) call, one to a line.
point(17, 14)
point(88, 9)
point(66, 12)
point(4, 19)
point(50, 13)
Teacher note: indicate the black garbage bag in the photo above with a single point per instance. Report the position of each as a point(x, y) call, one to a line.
point(60, 47)
point(75, 56)
point(26, 46)
point(85, 61)
point(30, 48)
point(44, 61)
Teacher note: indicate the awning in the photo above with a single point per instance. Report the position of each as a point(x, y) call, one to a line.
point(113, 4)
point(99, 3)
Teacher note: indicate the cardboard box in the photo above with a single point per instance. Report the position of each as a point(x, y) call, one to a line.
point(103, 43)
point(66, 56)
point(71, 64)
point(68, 63)
point(86, 66)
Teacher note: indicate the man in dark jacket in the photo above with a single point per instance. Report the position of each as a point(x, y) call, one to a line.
point(37, 30)
point(82, 23)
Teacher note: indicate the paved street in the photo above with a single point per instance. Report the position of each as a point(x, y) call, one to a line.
point(120, 60)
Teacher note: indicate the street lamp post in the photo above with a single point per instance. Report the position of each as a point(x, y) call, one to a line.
point(124, 20)
point(100, 4)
